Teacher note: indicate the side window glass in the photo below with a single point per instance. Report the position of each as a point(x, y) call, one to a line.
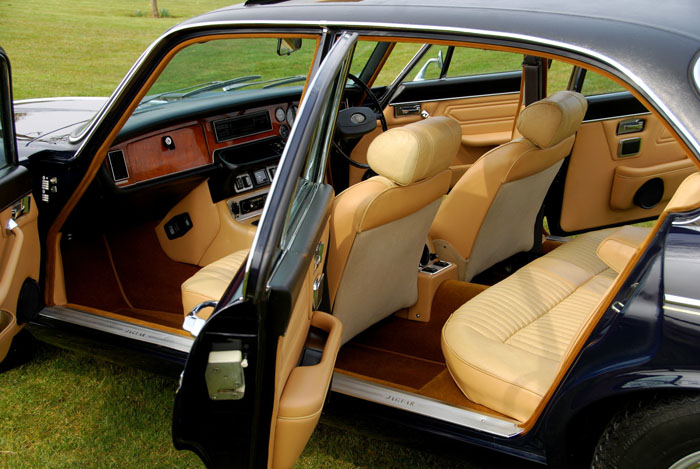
point(430, 65)
point(595, 83)
point(558, 76)
point(363, 51)
point(402, 54)
point(467, 62)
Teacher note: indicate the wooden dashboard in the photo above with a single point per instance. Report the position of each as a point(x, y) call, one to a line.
point(191, 145)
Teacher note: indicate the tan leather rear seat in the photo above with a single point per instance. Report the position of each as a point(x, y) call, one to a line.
point(505, 346)
point(210, 283)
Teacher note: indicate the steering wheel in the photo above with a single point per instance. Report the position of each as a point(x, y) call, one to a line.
point(372, 97)
point(380, 115)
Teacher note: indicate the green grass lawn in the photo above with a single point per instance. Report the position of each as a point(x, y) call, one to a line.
point(64, 409)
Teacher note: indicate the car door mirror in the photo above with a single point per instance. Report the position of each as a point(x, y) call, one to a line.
point(420, 76)
point(287, 45)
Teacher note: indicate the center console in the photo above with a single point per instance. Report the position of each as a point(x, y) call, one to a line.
point(430, 277)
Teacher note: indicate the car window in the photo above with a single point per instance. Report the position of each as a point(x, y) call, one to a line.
point(595, 83)
point(464, 62)
point(402, 54)
point(467, 62)
point(313, 172)
point(558, 76)
point(363, 51)
point(229, 66)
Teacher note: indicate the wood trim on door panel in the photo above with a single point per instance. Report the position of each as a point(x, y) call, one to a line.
point(101, 152)
point(591, 173)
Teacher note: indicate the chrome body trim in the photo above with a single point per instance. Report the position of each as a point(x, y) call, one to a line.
point(687, 221)
point(111, 165)
point(117, 327)
point(61, 98)
point(682, 301)
point(616, 117)
point(428, 407)
point(696, 72)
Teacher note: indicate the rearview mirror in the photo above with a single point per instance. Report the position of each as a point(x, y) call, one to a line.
point(286, 46)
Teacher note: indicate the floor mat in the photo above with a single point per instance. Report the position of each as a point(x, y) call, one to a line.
point(151, 280)
point(407, 353)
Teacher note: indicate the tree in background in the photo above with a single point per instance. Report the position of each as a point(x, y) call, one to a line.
point(154, 9)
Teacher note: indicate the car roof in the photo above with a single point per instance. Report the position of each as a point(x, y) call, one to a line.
point(649, 44)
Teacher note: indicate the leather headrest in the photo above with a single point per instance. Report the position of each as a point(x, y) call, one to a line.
point(415, 151)
point(551, 120)
point(619, 247)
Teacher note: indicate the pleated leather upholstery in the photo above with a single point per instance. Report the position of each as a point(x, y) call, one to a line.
point(505, 346)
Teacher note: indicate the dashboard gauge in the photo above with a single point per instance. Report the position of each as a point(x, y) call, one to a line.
point(291, 114)
point(284, 131)
point(280, 114)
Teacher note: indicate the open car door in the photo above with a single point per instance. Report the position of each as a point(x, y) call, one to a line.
point(254, 383)
point(19, 240)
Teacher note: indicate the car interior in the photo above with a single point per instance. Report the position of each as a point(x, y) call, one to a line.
point(471, 246)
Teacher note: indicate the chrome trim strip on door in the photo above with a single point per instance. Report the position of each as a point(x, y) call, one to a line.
point(433, 408)
point(623, 116)
point(682, 301)
point(516, 93)
point(117, 327)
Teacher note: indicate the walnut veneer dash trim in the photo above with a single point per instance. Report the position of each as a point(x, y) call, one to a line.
point(147, 157)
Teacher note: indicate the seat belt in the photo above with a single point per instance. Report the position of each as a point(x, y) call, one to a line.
point(534, 73)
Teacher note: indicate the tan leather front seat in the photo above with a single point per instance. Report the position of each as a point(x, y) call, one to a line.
point(210, 283)
point(490, 213)
point(379, 226)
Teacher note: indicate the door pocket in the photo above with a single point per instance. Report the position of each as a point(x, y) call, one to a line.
point(646, 187)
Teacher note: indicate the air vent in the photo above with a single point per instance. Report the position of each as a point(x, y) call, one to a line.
point(242, 126)
point(118, 165)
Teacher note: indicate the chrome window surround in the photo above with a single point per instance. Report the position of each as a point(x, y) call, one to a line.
point(623, 72)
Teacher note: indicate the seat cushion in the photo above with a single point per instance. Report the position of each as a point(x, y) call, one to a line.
point(211, 281)
point(504, 347)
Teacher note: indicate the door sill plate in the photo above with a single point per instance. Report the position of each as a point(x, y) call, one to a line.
point(373, 392)
point(117, 327)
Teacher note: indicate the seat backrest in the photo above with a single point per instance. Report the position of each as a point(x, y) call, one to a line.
point(379, 226)
point(490, 213)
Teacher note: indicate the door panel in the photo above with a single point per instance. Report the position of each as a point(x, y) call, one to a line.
point(19, 239)
point(19, 260)
point(300, 391)
point(601, 182)
point(262, 412)
point(486, 121)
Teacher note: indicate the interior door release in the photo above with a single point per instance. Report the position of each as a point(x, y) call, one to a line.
point(630, 126)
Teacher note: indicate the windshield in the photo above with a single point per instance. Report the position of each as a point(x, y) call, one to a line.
point(227, 66)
